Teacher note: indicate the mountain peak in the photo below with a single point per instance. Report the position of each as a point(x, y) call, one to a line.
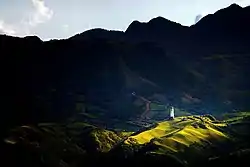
point(33, 38)
point(234, 5)
point(230, 9)
point(155, 25)
point(231, 16)
point(99, 33)
point(161, 19)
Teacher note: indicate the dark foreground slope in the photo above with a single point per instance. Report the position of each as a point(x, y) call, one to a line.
point(184, 141)
point(201, 68)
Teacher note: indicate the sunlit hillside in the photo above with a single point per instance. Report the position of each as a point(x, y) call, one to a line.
point(187, 141)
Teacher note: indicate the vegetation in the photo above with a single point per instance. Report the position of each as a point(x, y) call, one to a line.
point(184, 141)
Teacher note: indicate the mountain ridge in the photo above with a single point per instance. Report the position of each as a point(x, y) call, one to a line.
point(230, 9)
point(47, 80)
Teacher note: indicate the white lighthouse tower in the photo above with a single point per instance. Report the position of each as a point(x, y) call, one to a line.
point(172, 113)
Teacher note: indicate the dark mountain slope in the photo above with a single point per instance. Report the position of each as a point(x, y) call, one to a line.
point(99, 69)
point(158, 30)
point(226, 31)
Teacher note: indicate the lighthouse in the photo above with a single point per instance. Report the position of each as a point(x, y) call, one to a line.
point(171, 113)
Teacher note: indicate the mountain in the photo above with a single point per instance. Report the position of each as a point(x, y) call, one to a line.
point(203, 69)
point(227, 27)
point(99, 33)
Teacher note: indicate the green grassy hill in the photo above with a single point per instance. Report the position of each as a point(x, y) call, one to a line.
point(184, 141)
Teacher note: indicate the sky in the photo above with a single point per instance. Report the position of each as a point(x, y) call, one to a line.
point(58, 19)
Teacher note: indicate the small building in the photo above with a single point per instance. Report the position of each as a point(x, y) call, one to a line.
point(171, 114)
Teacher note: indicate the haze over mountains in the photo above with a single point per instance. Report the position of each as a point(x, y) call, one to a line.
point(203, 69)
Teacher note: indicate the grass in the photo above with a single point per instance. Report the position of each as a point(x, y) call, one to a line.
point(235, 117)
point(105, 140)
point(180, 133)
point(145, 137)
point(185, 139)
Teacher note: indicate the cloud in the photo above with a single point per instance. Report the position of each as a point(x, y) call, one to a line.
point(6, 29)
point(39, 15)
point(198, 18)
point(42, 13)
